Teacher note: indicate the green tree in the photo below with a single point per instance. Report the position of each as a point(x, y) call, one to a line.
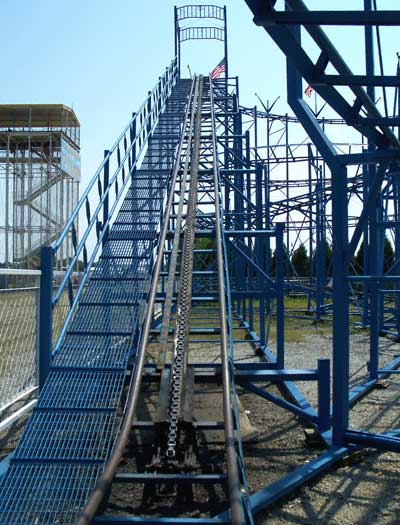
point(328, 258)
point(388, 257)
point(287, 269)
point(300, 261)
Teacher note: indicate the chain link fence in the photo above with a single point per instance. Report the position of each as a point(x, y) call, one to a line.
point(19, 306)
point(19, 343)
point(19, 311)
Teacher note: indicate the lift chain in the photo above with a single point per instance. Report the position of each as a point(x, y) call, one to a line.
point(185, 291)
point(170, 286)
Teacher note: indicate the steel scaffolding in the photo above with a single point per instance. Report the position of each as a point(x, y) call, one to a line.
point(39, 180)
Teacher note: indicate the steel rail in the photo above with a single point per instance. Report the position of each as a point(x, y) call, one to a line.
point(234, 487)
point(104, 483)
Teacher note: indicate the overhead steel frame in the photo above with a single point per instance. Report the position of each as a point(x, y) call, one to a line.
point(204, 32)
point(381, 169)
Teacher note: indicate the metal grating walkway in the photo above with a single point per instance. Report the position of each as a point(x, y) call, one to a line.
point(71, 432)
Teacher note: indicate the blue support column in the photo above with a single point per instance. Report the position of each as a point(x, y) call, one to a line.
point(340, 410)
point(248, 217)
point(149, 108)
point(324, 392)
point(267, 223)
point(177, 43)
point(259, 250)
point(396, 205)
point(226, 51)
point(280, 298)
point(133, 137)
point(319, 248)
point(287, 152)
point(321, 244)
point(374, 247)
point(310, 230)
point(45, 313)
point(365, 248)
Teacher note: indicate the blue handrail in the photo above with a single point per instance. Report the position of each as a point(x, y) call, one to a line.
point(122, 161)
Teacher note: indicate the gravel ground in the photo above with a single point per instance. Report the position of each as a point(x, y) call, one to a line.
point(366, 488)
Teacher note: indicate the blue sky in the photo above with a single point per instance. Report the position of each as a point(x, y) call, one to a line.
point(102, 57)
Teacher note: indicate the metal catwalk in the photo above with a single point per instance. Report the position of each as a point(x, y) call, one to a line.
point(71, 432)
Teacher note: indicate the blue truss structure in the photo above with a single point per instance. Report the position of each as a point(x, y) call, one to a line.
point(380, 161)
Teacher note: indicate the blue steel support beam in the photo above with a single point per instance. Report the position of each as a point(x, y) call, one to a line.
point(45, 312)
point(368, 439)
point(373, 245)
point(357, 80)
point(340, 306)
point(133, 143)
point(259, 248)
point(320, 245)
point(280, 298)
point(305, 413)
point(267, 496)
point(321, 18)
point(267, 224)
point(324, 394)
point(226, 51)
point(311, 257)
point(396, 206)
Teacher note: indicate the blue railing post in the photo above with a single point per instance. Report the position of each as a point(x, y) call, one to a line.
point(324, 393)
point(106, 182)
point(133, 142)
point(280, 298)
point(149, 108)
point(45, 312)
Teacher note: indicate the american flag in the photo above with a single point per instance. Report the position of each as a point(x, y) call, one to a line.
point(218, 70)
point(308, 91)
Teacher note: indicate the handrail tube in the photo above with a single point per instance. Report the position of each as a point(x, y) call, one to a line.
point(105, 480)
point(81, 201)
point(235, 409)
point(94, 220)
